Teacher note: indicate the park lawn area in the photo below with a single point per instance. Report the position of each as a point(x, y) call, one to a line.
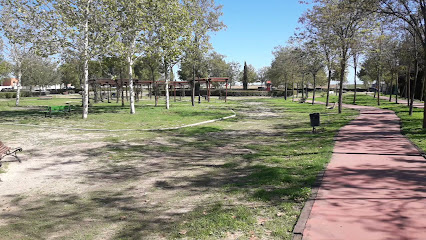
point(110, 116)
point(245, 177)
point(411, 125)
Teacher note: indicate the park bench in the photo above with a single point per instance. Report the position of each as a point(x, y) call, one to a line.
point(55, 109)
point(302, 100)
point(5, 150)
point(45, 98)
point(332, 106)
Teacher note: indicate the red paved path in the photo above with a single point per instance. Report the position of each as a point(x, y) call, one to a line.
point(374, 186)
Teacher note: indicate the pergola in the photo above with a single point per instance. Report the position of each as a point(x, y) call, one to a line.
point(109, 83)
point(209, 81)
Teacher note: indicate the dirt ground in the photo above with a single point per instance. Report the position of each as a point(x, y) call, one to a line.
point(138, 185)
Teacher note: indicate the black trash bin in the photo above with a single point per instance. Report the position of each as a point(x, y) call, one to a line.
point(315, 120)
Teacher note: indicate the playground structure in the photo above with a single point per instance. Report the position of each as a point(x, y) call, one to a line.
point(104, 87)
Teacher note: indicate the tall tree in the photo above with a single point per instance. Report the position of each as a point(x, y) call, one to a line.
point(413, 13)
point(245, 77)
point(131, 21)
point(171, 30)
point(343, 19)
point(81, 26)
point(314, 62)
point(204, 18)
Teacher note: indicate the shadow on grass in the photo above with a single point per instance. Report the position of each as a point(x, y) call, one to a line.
point(269, 165)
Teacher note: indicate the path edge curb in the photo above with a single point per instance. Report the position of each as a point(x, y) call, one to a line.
point(307, 208)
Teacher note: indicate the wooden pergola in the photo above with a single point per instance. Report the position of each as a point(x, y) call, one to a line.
point(109, 83)
point(209, 81)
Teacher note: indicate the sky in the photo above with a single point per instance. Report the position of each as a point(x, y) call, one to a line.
point(254, 28)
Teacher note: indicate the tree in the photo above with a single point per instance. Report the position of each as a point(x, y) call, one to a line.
point(54, 26)
point(18, 33)
point(5, 66)
point(245, 76)
point(234, 72)
point(263, 75)
point(204, 17)
point(314, 62)
point(171, 34)
point(413, 13)
point(70, 73)
point(39, 71)
point(343, 20)
point(130, 19)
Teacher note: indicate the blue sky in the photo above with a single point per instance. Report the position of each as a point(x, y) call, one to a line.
point(255, 27)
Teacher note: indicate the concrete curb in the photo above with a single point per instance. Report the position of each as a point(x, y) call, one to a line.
point(306, 210)
point(127, 130)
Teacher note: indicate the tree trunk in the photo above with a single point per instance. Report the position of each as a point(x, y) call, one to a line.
point(424, 87)
point(355, 65)
point(155, 86)
point(95, 92)
point(391, 87)
point(315, 85)
point(132, 93)
point(285, 91)
point(303, 86)
point(397, 87)
point(379, 79)
point(307, 89)
point(297, 90)
point(328, 87)
point(109, 93)
point(166, 78)
point(408, 93)
point(18, 91)
point(413, 91)
point(117, 89)
point(193, 87)
point(342, 77)
point(86, 63)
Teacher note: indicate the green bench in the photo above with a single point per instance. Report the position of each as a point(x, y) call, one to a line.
point(56, 109)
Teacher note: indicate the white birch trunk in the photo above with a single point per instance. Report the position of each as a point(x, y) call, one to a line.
point(18, 92)
point(132, 93)
point(86, 64)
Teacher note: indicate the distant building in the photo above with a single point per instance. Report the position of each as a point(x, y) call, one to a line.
point(10, 82)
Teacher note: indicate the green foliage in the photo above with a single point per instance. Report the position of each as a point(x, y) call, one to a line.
point(38, 71)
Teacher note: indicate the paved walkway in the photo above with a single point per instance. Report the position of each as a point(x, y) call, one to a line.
point(374, 186)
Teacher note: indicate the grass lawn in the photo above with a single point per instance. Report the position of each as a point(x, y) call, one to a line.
point(110, 115)
point(411, 125)
point(246, 177)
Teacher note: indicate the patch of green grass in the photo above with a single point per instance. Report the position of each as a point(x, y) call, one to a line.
point(411, 125)
point(111, 116)
point(213, 222)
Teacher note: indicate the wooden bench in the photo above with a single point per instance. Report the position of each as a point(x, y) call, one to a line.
point(5, 150)
point(55, 109)
point(332, 107)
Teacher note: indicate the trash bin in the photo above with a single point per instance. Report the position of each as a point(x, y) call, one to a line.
point(315, 119)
